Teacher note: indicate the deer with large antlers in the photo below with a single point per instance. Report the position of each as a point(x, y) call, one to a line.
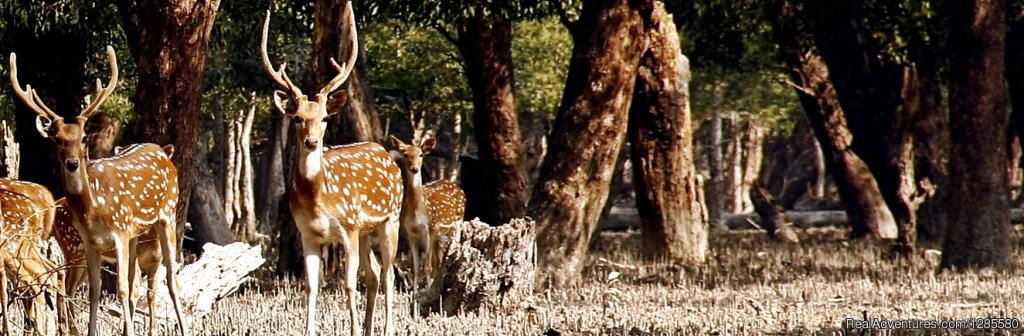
point(428, 211)
point(25, 224)
point(113, 200)
point(345, 194)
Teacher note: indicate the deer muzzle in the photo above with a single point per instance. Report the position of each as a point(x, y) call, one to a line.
point(72, 165)
point(311, 143)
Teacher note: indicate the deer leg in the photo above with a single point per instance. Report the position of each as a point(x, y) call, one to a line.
point(351, 271)
point(152, 271)
point(133, 273)
point(124, 283)
point(414, 249)
point(167, 247)
point(371, 273)
point(93, 263)
point(311, 254)
point(3, 299)
point(387, 240)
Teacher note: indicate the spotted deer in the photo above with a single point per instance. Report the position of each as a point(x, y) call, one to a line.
point(343, 194)
point(113, 200)
point(71, 245)
point(25, 223)
point(428, 211)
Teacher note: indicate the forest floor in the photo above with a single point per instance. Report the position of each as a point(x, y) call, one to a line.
point(750, 285)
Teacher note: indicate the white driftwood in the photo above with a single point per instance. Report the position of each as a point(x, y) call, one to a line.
point(483, 267)
point(217, 274)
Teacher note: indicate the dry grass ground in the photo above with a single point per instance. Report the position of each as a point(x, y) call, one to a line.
point(750, 286)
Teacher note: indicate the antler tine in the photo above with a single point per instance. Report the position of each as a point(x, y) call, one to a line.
point(28, 94)
point(343, 73)
point(279, 76)
point(103, 92)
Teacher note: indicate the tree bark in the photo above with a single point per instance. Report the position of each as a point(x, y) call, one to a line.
point(660, 134)
point(356, 119)
point(716, 188)
point(53, 62)
point(978, 234)
point(173, 37)
point(773, 219)
point(485, 43)
point(206, 214)
point(588, 130)
point(857, 188)
point(880, 108)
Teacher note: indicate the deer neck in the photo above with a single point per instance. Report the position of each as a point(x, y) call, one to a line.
point(77, 187)
point(414, 195)
point(309, 164)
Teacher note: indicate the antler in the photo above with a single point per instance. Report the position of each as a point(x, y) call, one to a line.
point(103, 92)
point(279, 75)
point(343, 73)
point(28, 94)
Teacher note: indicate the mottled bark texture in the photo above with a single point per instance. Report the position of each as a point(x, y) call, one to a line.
point(660, 135)
point(589, 127)
point(857, 187)
point(171, 59)
point(978, 233)
point(485, 43)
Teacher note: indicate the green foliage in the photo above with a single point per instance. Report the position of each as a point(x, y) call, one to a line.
point(446, 12)
point(414, 69)
point(541, 50)
point(758, 97)
point(97, 22)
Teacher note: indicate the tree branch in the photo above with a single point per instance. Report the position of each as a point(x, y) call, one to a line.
point(798, 87)
point(447, 34)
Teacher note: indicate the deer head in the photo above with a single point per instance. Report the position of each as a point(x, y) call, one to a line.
point(412, 154)
point(68, 136)
point(309, 114)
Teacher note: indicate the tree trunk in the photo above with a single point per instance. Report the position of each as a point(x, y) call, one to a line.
point(483, 267)
point(978, 234)
point(485, 43)
point(271, 185)
point(857, 188)
point(357, 118)
point(716, 189)
point(1015, 81)
point(773, 219)
point(173, 37)
point(205, 211)
point(53, 62)
point(879, 109)
point(661, 133)
point(588, 130)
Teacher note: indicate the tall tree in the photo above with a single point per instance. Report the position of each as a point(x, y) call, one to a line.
point(356, 119)
point(855, 183)
point(660, 134)
point(587, 134)
point(978, 233)
point(485, 42)
point(171, 60)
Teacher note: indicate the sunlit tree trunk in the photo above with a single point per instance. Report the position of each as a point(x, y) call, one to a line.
point(172, 41)
point(661, 135)
point(588, 130)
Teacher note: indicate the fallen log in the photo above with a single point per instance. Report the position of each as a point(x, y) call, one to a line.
point(622, 218)
point(483, 267)
point(217, 274)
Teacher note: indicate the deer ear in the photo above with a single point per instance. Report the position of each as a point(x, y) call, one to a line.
point(279, 97)
point(428, 145)
point(169, 150)
point(398, 144)
point(44, 125)
point(336, 102)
